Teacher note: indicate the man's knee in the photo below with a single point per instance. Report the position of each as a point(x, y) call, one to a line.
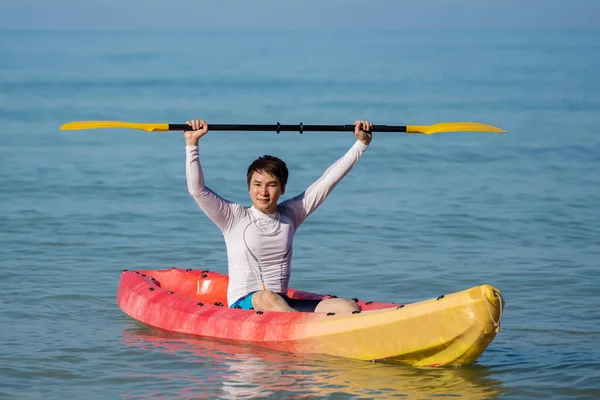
point(337, 305)
point(266, 300)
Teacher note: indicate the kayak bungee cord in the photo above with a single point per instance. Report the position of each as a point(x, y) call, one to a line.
point(501, 301)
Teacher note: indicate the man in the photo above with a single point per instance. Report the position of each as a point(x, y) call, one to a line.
point(259, 239)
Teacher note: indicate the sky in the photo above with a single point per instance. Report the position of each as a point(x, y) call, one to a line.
point(298, 15)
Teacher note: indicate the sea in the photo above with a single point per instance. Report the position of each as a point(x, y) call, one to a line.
point(417, 217)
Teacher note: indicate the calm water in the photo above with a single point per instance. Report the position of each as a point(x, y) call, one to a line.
point(419, 215)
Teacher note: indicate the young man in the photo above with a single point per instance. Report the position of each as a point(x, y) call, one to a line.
point(259, 239)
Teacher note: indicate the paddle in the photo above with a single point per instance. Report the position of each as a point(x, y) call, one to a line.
point(425, 129)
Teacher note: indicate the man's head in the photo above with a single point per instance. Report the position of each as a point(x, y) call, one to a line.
point(267, 177)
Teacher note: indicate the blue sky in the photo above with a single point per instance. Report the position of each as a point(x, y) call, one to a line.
point(307, 14)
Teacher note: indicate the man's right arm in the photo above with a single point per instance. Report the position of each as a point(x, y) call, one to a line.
point(219, 210)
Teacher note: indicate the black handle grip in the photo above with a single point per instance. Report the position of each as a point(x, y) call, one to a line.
point(288, 128)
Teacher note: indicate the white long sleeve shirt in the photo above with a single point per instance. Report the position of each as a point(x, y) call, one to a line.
point(259, 246)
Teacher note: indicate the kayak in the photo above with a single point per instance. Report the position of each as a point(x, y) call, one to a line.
point(452, 329)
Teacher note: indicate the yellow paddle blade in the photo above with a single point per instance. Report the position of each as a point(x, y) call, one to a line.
point(78, 125)
point(453, 127)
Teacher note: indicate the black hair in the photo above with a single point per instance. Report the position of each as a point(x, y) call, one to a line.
point(271, 165)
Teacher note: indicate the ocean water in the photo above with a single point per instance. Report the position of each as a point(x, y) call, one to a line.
point(417, 217)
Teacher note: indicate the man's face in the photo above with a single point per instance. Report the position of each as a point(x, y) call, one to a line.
point(265, 190)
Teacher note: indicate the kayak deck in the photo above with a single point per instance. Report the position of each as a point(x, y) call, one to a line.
point(454, 329)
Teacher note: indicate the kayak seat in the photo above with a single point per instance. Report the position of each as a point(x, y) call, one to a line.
point(204, 286)
point(212, 288)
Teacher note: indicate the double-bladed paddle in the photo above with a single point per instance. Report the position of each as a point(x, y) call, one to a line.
point(152, 127)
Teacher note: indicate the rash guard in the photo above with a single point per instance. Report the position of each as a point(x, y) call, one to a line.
point(259, 246)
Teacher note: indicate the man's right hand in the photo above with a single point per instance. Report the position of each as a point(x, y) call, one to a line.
point(362, 131)
point(199, 129)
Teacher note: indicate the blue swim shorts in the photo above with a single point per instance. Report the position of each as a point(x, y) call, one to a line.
point(245, 303)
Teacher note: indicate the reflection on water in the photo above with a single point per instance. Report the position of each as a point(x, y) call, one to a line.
point(200, 368)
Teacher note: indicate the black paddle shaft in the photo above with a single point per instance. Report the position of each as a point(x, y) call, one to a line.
point(289, 128)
